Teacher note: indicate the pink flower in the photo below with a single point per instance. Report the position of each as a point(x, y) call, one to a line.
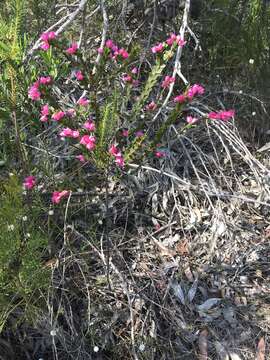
point(89, 125)
point(83, 101)
point(167, 81)
point(79, 75)
point(134, 71)
point(114, 150)
point(119, 160)
point(67, 132)
point(29, 182)
point(45, 110)
point(171, 39)
point(45, 80)
point(44, 113)
point(72, 49)
point(180, 99)
point(139, 133)
point(191, 120)
point(71, 113)
point(160, 154)
point(58, 195)
point(109, 43)
point(222, 115)
point(123, 53)
point(45, 46)
point(81, 158)
point(88, 141)
point(151, 106)
point(195, 90)
point(125, 133)
point(34, 92)
point(100, 50)
point(46, 36)
point(181, 42)
point(158, 48)
point(127, 78)
point(135, 83)
point(58, 115)
point(175, 39)
point(43, 118)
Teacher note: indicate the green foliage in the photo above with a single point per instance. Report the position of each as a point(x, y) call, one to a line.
point(249, 20)
point(21, 248)
point(151, 82)
point(12, 76)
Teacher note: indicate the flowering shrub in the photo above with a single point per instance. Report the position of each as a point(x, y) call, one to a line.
point(108, 118)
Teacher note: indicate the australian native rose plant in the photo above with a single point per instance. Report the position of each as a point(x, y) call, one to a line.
point(108, 119)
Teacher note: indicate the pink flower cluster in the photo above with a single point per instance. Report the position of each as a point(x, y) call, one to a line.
point(160, 154)
point(191, 120)
point(72, 49)
point(167, 81)
point(89, 141)
point(58, 115)
point(89, 125)
point(176, 39)
point(29, 182)
point(46, 38)
point(195, 90)
point(125, 132)
point(67, 132)
point(158, 48)
point(58, 195)
point(115, 52)
point(79, 75)
point(34, 92)
point(81, 158)
point(83, 102)
point(222, 115)
point(45, 111)
point(151, 106)
point(116, 153)
point(189, 95)
point(129, 79)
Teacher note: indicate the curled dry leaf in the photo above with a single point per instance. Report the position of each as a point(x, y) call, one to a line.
point(208, 304)
point(202, 343)
point(178, 292)
point(192, 291)
point(261, 350)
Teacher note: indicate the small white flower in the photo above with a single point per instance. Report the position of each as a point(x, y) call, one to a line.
point(251, 61)
point(254, 113)
point(100, 222)
point(142, 347)
point(11, 174)
point(28, 235)
point(240, 91)
point(24, 218)
point(53, 333)
point(11, 227)
point(96, 349)
point(51, 212)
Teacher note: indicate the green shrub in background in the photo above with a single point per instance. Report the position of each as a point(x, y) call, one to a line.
point(22, 275)
point(235, 32)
